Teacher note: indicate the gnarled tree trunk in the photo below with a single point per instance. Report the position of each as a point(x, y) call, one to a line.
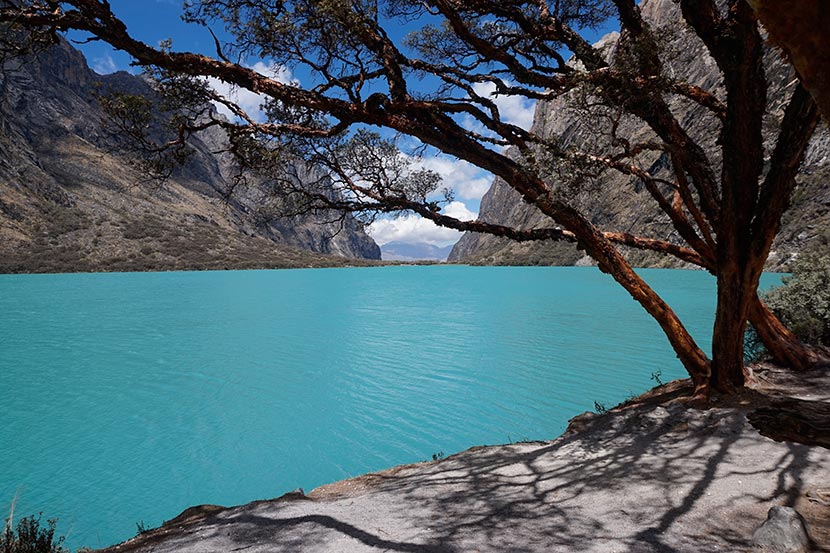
point(610, 260)
point(784, 347)
point(728, 335)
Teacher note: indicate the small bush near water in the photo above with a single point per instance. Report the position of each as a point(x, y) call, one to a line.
point(802, 304)
point(30, 536)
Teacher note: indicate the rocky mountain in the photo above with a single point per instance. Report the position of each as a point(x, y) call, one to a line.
point(405, 251)
point(70, 201)
point(615, 202)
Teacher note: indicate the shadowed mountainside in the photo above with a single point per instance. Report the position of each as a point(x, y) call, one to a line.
point(69, 201)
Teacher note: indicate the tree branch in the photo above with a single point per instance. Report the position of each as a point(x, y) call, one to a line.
point(800, 120)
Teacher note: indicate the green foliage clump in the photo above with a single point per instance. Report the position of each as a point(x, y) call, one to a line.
point(31, 537)
point(802, 304)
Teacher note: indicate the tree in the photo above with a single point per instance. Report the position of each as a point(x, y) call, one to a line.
point(725, 207)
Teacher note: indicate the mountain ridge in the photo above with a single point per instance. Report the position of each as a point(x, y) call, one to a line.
point(615, 202)
point(413, 251)
point(71, 201)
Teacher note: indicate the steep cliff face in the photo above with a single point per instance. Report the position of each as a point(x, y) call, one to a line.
point(70, 202)
point(618, 203)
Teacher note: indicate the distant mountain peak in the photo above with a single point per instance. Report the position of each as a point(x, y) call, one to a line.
point(417, 251)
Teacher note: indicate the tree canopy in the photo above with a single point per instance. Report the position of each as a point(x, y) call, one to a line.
point(415, 69)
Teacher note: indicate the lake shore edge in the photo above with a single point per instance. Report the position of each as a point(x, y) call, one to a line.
point(654, 473)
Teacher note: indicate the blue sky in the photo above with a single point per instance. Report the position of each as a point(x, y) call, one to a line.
point(155, 20)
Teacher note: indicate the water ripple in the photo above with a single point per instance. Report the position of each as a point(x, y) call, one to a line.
point(128, 397)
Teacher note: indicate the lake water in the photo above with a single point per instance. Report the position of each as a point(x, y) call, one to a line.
point(128, 397)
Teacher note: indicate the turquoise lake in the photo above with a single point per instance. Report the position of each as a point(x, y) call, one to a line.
point(129, 397)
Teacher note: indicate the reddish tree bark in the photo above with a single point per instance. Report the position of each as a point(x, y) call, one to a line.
point(782, 344)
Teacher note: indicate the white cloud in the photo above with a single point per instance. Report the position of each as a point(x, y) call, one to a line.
point(513, 109)
point(468, 181)
point(474, 189)
point(414, 229)
point(104, 65)
point(249, 101)
point(459, 211)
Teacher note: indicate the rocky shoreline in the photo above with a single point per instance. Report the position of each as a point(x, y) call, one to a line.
point(656, 473)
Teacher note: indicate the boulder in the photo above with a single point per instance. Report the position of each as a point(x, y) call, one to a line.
point(784, 531)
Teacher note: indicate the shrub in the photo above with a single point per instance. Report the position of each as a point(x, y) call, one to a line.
point(802, 304)
point(600, 408)
point(31, 537)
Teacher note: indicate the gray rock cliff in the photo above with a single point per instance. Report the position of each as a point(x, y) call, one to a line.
point(70, 201)
point(617, 203)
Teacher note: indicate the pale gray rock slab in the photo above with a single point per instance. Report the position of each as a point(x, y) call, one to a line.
point(649, 478)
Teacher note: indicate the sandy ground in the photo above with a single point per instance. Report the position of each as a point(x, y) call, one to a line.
point(655, 475)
